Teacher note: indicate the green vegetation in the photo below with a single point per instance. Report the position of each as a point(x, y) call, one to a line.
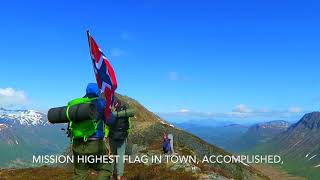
point(132, 171)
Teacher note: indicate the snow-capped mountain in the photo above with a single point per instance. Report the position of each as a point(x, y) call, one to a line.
point(24, 133)
point(22, 117)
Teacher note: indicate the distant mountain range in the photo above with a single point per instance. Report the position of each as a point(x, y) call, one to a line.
point(299, 146)
point(203, 123)
point(24, 133)
point(22, 117)
point(236, 137)
point(259, 133)
point(298, 143)
point(270, 128)
point(222, 134)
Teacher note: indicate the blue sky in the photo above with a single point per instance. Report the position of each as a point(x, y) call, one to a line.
point(211, 59)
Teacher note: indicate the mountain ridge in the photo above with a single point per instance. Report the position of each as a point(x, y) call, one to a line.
point(24, 133)
point(149, 129)
point(299, 146)
point(22, 117)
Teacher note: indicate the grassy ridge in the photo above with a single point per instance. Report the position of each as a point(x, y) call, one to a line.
point(132, 171)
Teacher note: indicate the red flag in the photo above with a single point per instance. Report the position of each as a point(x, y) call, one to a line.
point(105, 76)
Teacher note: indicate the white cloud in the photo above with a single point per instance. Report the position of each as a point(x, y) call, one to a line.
point(184, 110)
point(116, 52)
point(240, 112)
point(294, 110)
point(11, 97)
point(241, 108)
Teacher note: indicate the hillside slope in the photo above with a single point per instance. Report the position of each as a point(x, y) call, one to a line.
point(259, 133)
point(24, 133)
point(223, 136)
point(148, 131)
point(299, 146)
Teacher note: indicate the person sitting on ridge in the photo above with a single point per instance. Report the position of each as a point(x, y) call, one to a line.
point(166, 145)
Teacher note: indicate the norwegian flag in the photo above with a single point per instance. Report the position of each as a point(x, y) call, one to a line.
point(104, 72)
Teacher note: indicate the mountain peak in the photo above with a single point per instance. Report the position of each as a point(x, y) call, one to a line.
point(310, 121)
point(235, 125)
point(276, 124)
point(22, 117)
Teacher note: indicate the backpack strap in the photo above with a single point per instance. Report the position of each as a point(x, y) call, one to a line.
point(130, 125)
point(94, 98)
point(106, 129)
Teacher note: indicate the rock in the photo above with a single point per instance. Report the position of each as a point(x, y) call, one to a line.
point(212, 176)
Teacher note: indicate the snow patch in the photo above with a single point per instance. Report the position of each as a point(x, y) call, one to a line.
point(24, 117)
point(312, 157)
point(163, 122)
point(307, 155)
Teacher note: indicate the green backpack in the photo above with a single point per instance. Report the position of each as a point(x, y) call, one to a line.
point(81, 129)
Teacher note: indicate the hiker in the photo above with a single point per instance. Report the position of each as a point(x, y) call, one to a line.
point(118, 134)
point(170, 136)
point(166, 145)
point(93, 145)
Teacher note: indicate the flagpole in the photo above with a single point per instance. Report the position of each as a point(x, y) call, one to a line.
point(88, 36)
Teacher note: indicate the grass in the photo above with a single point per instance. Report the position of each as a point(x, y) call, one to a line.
point(292, 164)
point(206, 168)
point(159, 171)
point(132, 172)
point(41, 173)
